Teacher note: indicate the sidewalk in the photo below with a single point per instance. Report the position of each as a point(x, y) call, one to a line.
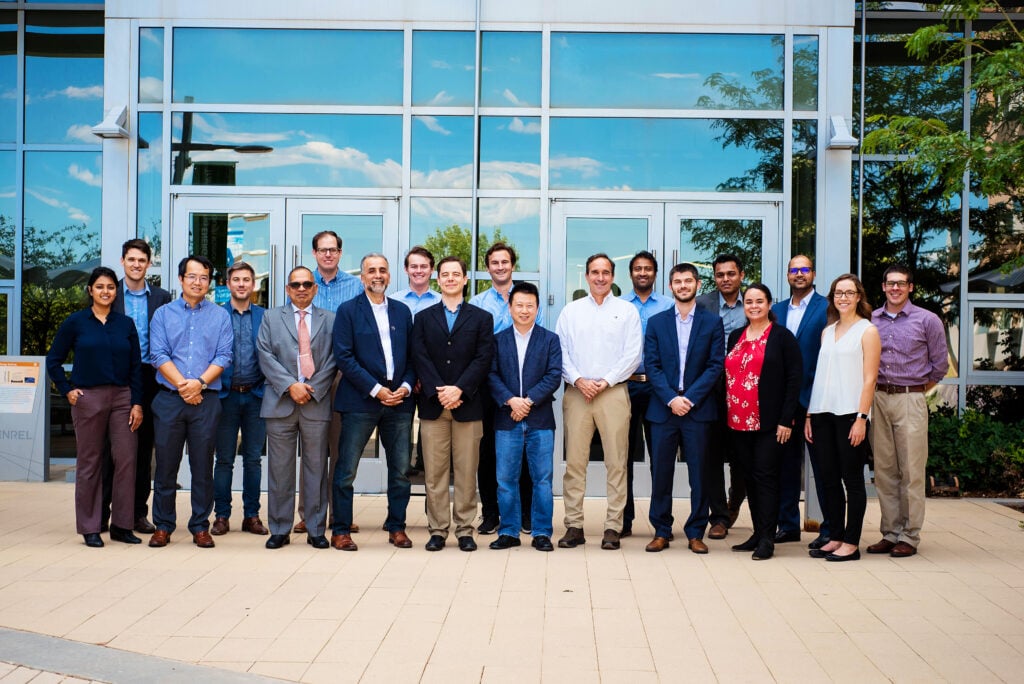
point(954, 612)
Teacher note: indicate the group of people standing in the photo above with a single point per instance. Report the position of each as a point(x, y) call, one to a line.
point(721, 378)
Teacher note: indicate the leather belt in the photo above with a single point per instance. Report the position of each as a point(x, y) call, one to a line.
point(242, 388)
point(898, 389)
point(638, 377)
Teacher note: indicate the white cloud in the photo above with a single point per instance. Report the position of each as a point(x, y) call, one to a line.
point(442, 98)
point(501, 212)
point(74, 213)
point(504, 175)
point(150, 159)
point(585, 166)
point(433, 124)
point(440, 64)
point(213, 126)
point(154, 36)
point(458, 177)
point(81, 133)
point(511, 97)
point(517, 126)
point(151, 89)
point(85, 175)
point(670, 75)
point(75, 93)
point(443, 209)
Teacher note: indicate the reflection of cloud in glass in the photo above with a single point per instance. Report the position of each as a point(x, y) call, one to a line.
point(511, 97)
point(670, 75)
point(81, 133)
point(517, 126)
point(75, 93)
point(215, 127)
point(445, 210)
point(433, 124)
point(442, 98)
point(73, 213)
point(440, 64)
point(154, 36)
point(85, 175)
point(149, 160)
point(513, 210)
point(585, 166)
point(151, 89)
point(458, 177)
point(509, 175)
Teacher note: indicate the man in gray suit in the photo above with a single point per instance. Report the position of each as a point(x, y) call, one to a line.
point(297, 358)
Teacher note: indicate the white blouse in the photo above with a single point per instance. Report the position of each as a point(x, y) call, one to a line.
point(839, 377)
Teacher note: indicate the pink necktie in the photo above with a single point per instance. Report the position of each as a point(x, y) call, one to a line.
point(306, 366)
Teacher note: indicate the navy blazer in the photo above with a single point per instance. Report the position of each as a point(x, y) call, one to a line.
point(157, 297)
point(461, 357)
point(225, 376)
point(705, 357)
point(808, 336)
point(542, 371)
point(778, 390)
point(360, 355)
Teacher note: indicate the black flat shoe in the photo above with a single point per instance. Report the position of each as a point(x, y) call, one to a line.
point(784, 537)
point(818, 542)
point(435, 543)
point(764, 551)
point(749, 545)
point(839, 559)
point(276, 541)
point(817, 553)
point(120, 534)
point(503, 541)
point(93, 540)
point(467, 544)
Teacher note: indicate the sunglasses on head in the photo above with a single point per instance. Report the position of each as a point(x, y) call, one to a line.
point(304, 285)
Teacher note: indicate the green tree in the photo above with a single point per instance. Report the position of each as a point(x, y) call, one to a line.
point(454, 240)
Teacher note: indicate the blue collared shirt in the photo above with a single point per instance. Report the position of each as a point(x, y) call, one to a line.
point(415, 302)
point(683, 328)
point(192, 338)
point(244, 363)
point(136, 305)
point(491, 301)
point(655, 303)
point(341, 288)
point(733, 317)
point(451, 316)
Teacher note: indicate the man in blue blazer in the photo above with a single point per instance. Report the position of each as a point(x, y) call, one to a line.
point(372, 334)
point(684, 353)
point(803, 314)
point(525, 373)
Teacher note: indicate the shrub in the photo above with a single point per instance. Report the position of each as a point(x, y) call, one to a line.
point(987, 455)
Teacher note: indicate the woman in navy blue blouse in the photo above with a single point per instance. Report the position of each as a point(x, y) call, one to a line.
point(105, 393)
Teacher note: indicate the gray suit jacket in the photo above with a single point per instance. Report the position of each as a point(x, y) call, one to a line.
point(278, 348)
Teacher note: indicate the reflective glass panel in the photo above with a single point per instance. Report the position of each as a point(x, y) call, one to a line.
point(151, 65)
point(225, 238)
point(292, 66)
point(516, 222)
point(727, 155)
point(510, 152)
point(702, 239)
point(995, 240)
point(8, 213)
point(150, 193)
point(442, 151)
point(63, 76)
point(61, 242)
point(3, 323)
point(805, 73)
point(666, 71)
point(444, 225)
point(443, 68)
point(1005, 403)
point(353, 150)
point(996, 339)
point(805, 192)
point(8, 76)
point(619, 238)
point(511, 69)
point(360, 234)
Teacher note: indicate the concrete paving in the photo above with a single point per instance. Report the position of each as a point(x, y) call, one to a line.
point(954, 612)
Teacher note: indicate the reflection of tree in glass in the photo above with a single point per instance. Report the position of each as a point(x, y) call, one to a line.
point(454, 240)
point(712, 237)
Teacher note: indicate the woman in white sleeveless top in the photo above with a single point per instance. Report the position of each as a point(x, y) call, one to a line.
point(837, 415)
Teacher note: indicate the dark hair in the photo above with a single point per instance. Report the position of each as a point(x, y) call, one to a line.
point(301, 268)
point(240, 266)
point(767, 294)
point(199, 259)
point(499, 247)
point(600, 255)
point(898, 268)
point(726, 258)
point(863, 306)
point(101, 271)
point(449, 259)
point(685, 267)
point(526, 289)
point(421, 251)
point(643, 254)
point(139, 244)
point(323, 233)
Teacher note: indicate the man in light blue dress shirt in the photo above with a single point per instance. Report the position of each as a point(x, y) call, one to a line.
point(334, 287)
point(419, 265)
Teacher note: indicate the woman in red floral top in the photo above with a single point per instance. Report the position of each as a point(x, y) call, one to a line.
point(763, 372)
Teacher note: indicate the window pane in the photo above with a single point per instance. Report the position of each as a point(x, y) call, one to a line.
point(3, 323)
point(63, 76)
point(442, 151)
point(666, 71)
point(727, 155)
point(8, 211)
point(516, 222)
point(338, 150)
point(444, 226)
point(151, 65)
point(995, 241)
point(289, 65)
point(360, 234)
point(443, 68)
point(150, 194)
point(996, 343)
point(805, 73)
point(511, 69)
point(702, 239)
point(510, 152)
point(620, 238)
point(8, 76)
point(225, 238)
point(805, 177)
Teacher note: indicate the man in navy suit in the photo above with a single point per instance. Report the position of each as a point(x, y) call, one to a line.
point(524, 376)
point(803, 314)
point(372, 333)
point(684, 354)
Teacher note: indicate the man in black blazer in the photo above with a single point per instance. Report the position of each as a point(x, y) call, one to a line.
point(453, 343)
point(139, 300)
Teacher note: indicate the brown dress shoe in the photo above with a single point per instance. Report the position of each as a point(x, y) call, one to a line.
point(698, 546)
point(300, 527)
point(143, 526)
point(220, 526)
point(400, 539)
point(160, 539)
point(657, 544)
point(718, 531)
point(343, 542)
point(573, 538)
point(902, 550)
point(202, 539)
point(610, 542)
point(353, 528)
point(254, 525)
point(884, 546)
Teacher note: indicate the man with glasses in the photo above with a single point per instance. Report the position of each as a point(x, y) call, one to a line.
point(914, 359)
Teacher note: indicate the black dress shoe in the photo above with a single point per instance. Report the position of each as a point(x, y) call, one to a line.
point(818, 542)
point(93, 540)
point(765, 550)
point(318, 542)
point(503, 541)
point(839, 559)
point(120, 534)
point(489, 525)
point(783, 537)
point(276, 541)
point(144, 526)
point(542, 543)
point(467, 544)
point(748, 545)
point(435, 543)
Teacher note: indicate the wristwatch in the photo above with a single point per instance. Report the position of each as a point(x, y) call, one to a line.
point(862, 415)
point(202, 383)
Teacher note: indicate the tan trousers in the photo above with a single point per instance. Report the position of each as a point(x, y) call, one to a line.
point(609, 414)
point(899, 438)
point(445, 439)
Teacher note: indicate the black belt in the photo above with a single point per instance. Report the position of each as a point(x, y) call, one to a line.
point(899, 389)
point(638, 377)
point(243, 388)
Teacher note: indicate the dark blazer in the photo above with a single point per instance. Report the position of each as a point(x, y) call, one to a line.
point(705, 356)
point(542, 371)
point(229, 370)
point(461, 357)
point(778, 391)
point(360, 355)
point(709, 301)
point(808, 336)
point(158, 296)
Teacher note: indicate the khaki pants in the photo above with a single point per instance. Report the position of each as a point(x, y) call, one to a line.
point(444, 438)
point(899, 438)
point(609, 414)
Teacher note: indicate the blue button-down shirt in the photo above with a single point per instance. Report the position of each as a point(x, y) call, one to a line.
point(192, 338)
point(136, 306)
point(415, 302)
point(655, 303)
point(340, 289)
point(451, 316)
point(246, 370)
point(733, 317)
point(491, 301)
point(683, 328)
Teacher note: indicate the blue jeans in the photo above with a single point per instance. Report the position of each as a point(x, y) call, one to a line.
point(239, 410)
point(540, 446)
point(395, 432)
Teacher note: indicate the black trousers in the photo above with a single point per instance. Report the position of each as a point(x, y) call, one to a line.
point(760, 455)
point(841, 465)
point(719, 453)
point(639, 435)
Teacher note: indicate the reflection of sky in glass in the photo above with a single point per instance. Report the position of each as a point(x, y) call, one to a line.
point(352, 150)
point(432, 214)
point(8, 207)
point(151, 65)
point(510, 152)
point(805, 73)
point(62, 189)
point(248, 240)
point(619, 238)
point(63, 81)
point(8, 77)
point(658, 70)
point(648, 154)
point(443, 68)
point(360, 234)
point(150, 195)
point(511, 69)
point(442, 151)
point(519, 222)
point(288, 66)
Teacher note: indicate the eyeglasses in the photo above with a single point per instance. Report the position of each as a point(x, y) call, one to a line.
point(193, 278)
point(326, 251)
point(845, 294)
point(890, 284)
point(302, 285)
point(799, 269)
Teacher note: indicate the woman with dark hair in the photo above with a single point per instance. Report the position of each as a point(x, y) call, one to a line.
point(763, 372)
point(105, 393)
point(837, 415)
